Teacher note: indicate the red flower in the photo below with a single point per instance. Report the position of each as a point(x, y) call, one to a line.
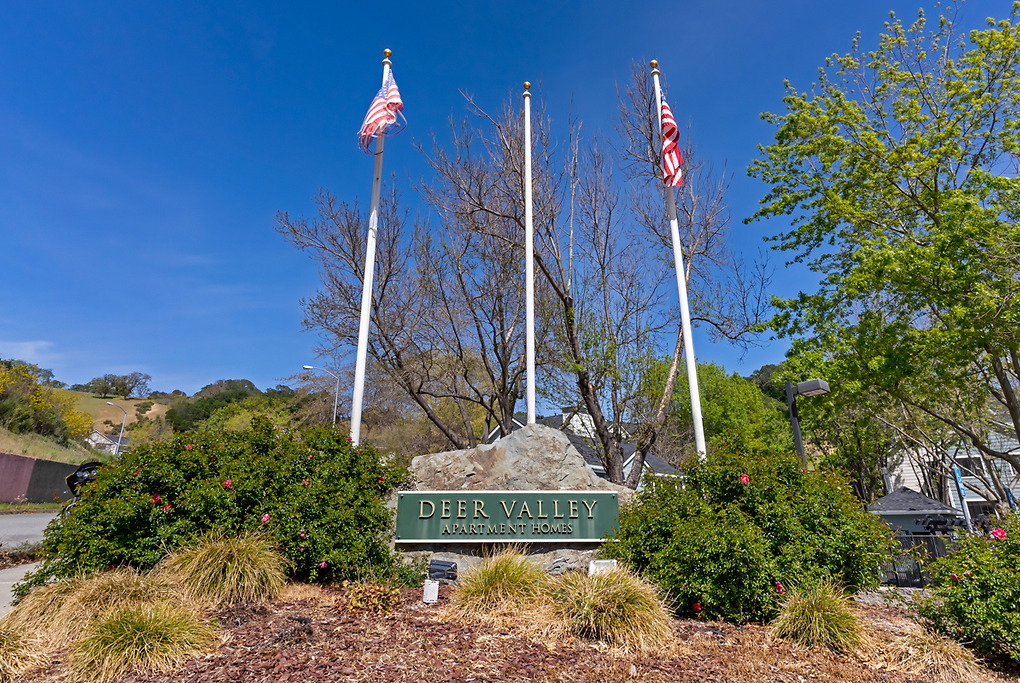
point(156, 498)
point(998, 534)
point(227, 483)
point(265, 518)
point(167, 507)
point(382, 479)
point(744, 479)
point(189, 447)
point(696, 607)
point(779, 587)
point(323, 565)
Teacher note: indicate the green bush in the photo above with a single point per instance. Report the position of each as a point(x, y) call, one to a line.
point(318, 498)
point(974, 595)
point(726, 539)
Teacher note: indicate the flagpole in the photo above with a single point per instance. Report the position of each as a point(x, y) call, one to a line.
point(529, 257)
point(366, 291)
point(681, 284)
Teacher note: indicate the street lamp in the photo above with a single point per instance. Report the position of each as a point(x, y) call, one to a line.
point(811, 387)
point(336, 392)
point(120, 439)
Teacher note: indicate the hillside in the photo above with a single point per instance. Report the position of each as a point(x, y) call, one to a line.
point(101, 411)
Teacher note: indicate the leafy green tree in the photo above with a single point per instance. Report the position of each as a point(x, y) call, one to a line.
point(897, 174)
point(734, 410)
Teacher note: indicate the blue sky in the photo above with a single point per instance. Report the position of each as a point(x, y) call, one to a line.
point(146, 147)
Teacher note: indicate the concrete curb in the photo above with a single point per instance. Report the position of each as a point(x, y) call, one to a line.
point(9, 577)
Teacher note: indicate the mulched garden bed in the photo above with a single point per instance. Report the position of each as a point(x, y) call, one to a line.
point(311, 639)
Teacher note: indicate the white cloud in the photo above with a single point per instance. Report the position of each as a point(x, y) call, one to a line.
point(39, 352)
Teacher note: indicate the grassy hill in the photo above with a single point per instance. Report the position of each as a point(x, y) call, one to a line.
point(36, 446)
point(100, 411)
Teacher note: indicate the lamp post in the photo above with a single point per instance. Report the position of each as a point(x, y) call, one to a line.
point(811, 387)
point(120, 439)
point(336, 392)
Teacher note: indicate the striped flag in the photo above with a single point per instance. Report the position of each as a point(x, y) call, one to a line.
point(382, 114)
point(672, 158)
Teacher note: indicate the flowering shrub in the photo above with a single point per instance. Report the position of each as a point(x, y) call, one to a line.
point(738, 529)
point(975, 592)
point(320, 499)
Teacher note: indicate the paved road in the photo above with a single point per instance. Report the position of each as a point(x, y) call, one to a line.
point(15, 530)
point(27, 528)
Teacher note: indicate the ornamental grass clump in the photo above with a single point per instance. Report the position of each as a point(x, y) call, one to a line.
point(152, 637)
point(506, 583)
point(819, 614)
point(57, 612)
point(615, 607)
point(19, 652)
point(227, 571)
point(935, 658)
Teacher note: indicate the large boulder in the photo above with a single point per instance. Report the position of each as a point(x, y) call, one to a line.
point(535, 457)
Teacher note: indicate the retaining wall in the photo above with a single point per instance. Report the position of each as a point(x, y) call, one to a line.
point(33, 480)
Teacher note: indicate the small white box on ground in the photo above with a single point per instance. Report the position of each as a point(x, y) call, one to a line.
point(431, 592)
point(601, 566)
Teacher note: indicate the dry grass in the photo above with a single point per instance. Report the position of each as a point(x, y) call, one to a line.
point(617, 608)
point(819, 615)
point(301, 592)
point(152, 637)
point(934, 658)
point(58, 611)
point(19, 652)
point(505, 582)
point(36, 446)
point(227, 571)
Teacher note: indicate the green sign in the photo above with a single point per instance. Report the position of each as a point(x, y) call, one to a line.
point(505, 516)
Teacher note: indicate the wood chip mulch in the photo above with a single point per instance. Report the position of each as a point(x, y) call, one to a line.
point(311, 639)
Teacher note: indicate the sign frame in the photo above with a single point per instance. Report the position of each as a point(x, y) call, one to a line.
point(552, 497)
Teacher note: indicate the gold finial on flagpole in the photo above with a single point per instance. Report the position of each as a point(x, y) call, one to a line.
point(387, 53)
point(654, 63)
point(527, 85)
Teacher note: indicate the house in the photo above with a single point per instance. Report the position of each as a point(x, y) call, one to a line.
point(579, 428)
point(106, 444)
point(931, 472)
point(908, 512)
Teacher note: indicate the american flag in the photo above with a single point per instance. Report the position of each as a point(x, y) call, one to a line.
point(382, 113)
point(672, 158)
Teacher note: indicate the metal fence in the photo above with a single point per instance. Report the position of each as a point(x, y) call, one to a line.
point(906, 566)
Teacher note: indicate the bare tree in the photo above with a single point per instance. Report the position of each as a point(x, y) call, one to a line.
point(605, 274)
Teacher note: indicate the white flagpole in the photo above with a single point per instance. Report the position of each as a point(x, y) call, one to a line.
point(681, 284)
point(366, 291)
point(529, 257)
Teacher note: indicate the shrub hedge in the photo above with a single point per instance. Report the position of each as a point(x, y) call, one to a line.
point(320, 499)
point(974, 594)
point(727, 538)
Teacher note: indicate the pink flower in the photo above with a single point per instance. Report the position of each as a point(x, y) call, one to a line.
point(189, 447)
point(265, 518)
point(309, 457)
point(323, 565)
point(696, 607)
point(744, 479)
point(302, 534)
point(306, 482)
point(167, 507)
point(779, 587)
point(998, 534)
point(967, 574)
point(156, 498)
point(954, 577)
point(227, 483)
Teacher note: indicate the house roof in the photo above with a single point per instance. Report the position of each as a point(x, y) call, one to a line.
point(908, 501)
point(652, 462)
